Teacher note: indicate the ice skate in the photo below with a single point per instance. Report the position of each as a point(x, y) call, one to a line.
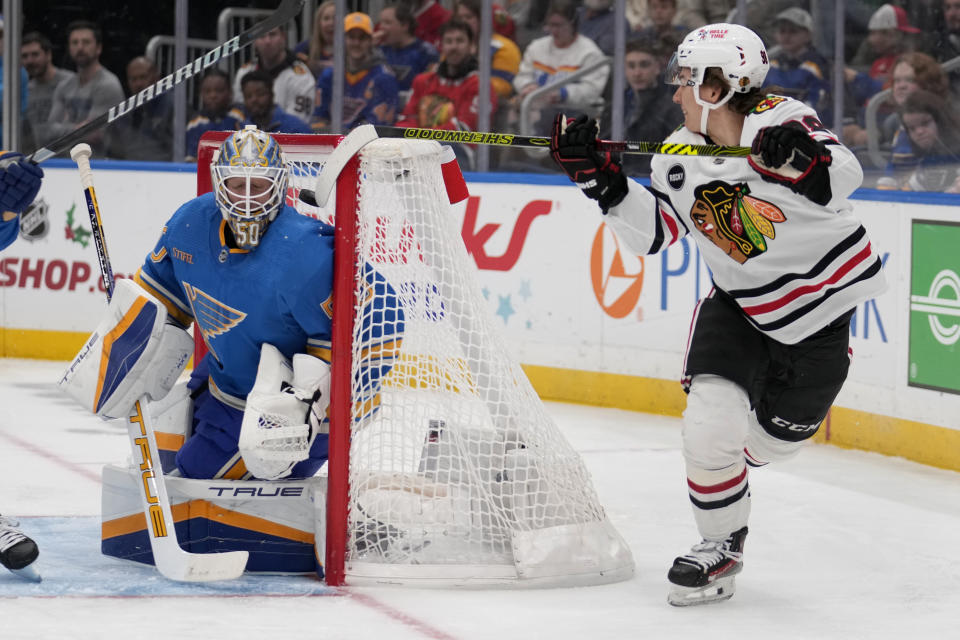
point(707, 573)
point(17, 551)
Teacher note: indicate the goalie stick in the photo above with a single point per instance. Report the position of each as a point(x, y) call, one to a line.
point(361, 136)
point(288, 10)
point(171, 561)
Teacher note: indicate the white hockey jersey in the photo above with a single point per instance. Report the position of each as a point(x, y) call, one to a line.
point(790, 264)
point(294, 87)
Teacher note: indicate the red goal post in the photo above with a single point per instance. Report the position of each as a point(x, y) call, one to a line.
point(454, 474)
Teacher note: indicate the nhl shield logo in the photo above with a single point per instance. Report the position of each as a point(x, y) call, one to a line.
point(34, 223)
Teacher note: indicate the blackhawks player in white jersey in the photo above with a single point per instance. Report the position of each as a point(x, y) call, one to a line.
point(768, 351)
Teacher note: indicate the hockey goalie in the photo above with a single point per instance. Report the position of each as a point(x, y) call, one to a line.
point(254, 277)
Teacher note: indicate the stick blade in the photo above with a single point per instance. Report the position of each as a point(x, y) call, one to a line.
point(181, 566)
point(337, 160)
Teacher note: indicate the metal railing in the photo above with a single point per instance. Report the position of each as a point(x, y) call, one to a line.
point(593, 108)
point(161, 50)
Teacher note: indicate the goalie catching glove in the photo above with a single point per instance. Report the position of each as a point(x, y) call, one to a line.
point(574, 148)
point(286, 410)
point(787, 155)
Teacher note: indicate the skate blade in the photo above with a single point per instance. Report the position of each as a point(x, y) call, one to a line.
point(29, 572)
point(716, 591)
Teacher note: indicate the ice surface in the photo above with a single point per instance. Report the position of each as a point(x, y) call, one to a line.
point(843, 544)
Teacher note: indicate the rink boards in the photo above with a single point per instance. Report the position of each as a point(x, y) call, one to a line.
point(590, 323)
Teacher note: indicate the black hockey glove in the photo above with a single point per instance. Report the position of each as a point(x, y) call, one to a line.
point(787, 155)
point(574, 147)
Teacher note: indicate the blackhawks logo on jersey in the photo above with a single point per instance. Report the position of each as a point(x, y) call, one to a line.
point(733, 220)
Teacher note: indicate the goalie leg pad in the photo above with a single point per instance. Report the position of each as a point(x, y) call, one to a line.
point(132, 353)
point(282, 417)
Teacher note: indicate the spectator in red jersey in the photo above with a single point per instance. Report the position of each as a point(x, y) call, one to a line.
point(447, 98)
point(889, 36)
point(430, 15)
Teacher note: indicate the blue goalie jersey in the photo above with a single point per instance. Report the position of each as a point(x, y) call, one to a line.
point(280, 293)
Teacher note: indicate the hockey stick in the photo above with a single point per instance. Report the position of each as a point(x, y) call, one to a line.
point(363, 135)
point(288, 10)
point(171, 561)
point(511, 140)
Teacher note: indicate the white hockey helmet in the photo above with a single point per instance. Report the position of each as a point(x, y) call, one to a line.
point(736, 50)
point(249, 208)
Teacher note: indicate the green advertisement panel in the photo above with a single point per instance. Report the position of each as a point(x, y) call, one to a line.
point(935, 306)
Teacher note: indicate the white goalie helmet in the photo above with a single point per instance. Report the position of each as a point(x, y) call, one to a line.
point(736, 50)
point(249, 177)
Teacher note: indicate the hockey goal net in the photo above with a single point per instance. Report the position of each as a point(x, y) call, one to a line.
point(458, 476)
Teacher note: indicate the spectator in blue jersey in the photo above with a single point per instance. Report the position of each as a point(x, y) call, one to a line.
point(795, 66)
point(911, 72)
point(370, 90)
point(405, 54)
point(933, 131)
point(259, 108)
point(19, 184)
point(217, 111)
point(317, 51)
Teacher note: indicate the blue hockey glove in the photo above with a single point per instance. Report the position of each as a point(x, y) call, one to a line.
point(787, 155)
point(574, 147)
point(19, 182)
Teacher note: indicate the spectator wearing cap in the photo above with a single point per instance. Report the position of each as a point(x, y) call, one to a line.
point(888, 37)
point(370, 90)
point(795, 65)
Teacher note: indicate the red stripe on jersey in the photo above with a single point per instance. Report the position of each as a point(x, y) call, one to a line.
point(717, 488)
point(671, 224)
point(810, 288)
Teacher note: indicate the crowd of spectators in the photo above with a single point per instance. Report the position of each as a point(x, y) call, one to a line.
point(415, 63)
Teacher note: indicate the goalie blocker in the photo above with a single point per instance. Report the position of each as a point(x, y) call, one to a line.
point(133, 352)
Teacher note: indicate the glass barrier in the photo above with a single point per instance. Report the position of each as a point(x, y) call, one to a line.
point(888, 95)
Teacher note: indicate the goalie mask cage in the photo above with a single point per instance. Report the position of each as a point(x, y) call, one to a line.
point(452, 473)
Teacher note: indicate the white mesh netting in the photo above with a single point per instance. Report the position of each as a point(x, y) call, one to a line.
point(459, 475)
